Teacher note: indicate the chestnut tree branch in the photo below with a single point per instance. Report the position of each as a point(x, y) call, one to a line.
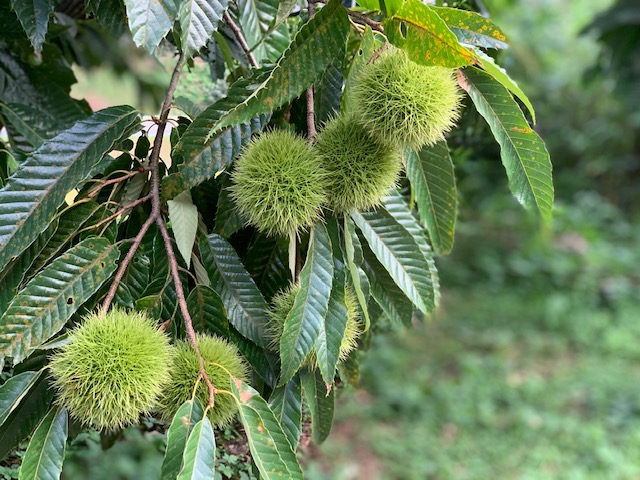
point(240, 37)
point(311, 114)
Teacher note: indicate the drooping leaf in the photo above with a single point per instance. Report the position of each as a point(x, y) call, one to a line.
point(27, 415)
point(328, 94)
point(45, 453)
point(472, 28)
point(270, 448)
point(198, 20)
point(353, 252)
point(332, 329)
point(23, 120)
point(184, 223)
point(317, 45)
point(266, 261)
point(419, 30)
point(199, 456)
point(30, 199)
point(207, 311)
point(257, 19)
point(400, 254)
point(246, 307)
point(523, 152)
point(321, 404)
point(304, 322)
point(109, 14)
point(42, 308)
point(13, 391)
point(34, 17)
point(501, 75)
point(150, 20)
point(434, 185)
point(286, 404)
point(189, 413)
point(228, 220)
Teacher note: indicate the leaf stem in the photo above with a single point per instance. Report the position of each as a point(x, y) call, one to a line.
point(240, 37)
point(366, 20)
point(311, 114)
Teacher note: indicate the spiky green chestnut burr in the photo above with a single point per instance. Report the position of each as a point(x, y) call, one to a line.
point(112, 370)
point(217, 353)
point(279, 184)
point(281, 305)
point(361, 169)
point(406, 104)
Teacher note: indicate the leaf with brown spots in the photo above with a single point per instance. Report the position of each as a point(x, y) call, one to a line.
point(472, 28)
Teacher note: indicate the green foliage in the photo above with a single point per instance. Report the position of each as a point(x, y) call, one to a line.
point(279, 184)
point(360, 168)
point(405, 104)
point(222, 362)
point(120, 358)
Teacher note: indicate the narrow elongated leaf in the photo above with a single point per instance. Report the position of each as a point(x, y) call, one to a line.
point(523, 152)
point(400, 254)
point(150, 20)
point(42, 308)
point(207, 311)
point(321, 404)
point(354, 260)
point(18, 116)
point(266, 261)
point(286, 404)
point(198, 20)
point(30, 199)
point(304, 322)
point(228, 221)
point(45, 453)
point(472, 28)
point(267, 39)
point(332, 329)
point(316, 46)
point(189, 413)
point(501, 75)
point(270, 448)
point(34, 17)
point(184, 223)
point(245, 304)
point(434, 185)
point(200, 453)
point(328, 94)
point(13, 391)
point(419, 30)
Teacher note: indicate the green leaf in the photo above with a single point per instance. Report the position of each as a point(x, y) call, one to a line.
point(472, 28)
point(419, 30)
point(184, 224)
point(30, 199)
point(228, 221)
point(321, 403)
point(316, 46)
point(523, 152)
point(270, 448)
point(13, 391)
point(353, 262)
point(433, 183)
point(400, 254)
point(42, 308)
point(200, 453)
point(198, 20)
point(304, 322)
point(373, 5)
point(390, 7)
point(332, 329)
point(501, 75)
point(285, 7)
point(266, 38)
point(29, 413)
point(394, 303)
point(266, 261)
point(150, 21)
point(34, 17)
point(246, 307)
point(328, 94)
point(45, 453)
point(286, 404)
point(368, 46)
point(22, 119)
point(189, 413)
point(207, 311)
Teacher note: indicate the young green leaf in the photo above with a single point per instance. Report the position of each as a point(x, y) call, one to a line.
point(42, 308)
point(184, 223)
point(523, 152)
point(199, 456)
point(286, 404)
point(434, 185)
point(45, 453)
point(304, 322)
point(190, 413)
point(321, 403)
point(13, 390)
point(270, 448)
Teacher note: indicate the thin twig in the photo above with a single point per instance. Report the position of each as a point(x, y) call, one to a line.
point(121, 211)
point(311, 114)
point(240, 37)
point(364, 19)
point(106, 183)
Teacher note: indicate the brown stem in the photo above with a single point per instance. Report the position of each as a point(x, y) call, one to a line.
point(95, 191)
point(122, 211)
point(364, 19)
point(311, 114)
point(240, 37)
